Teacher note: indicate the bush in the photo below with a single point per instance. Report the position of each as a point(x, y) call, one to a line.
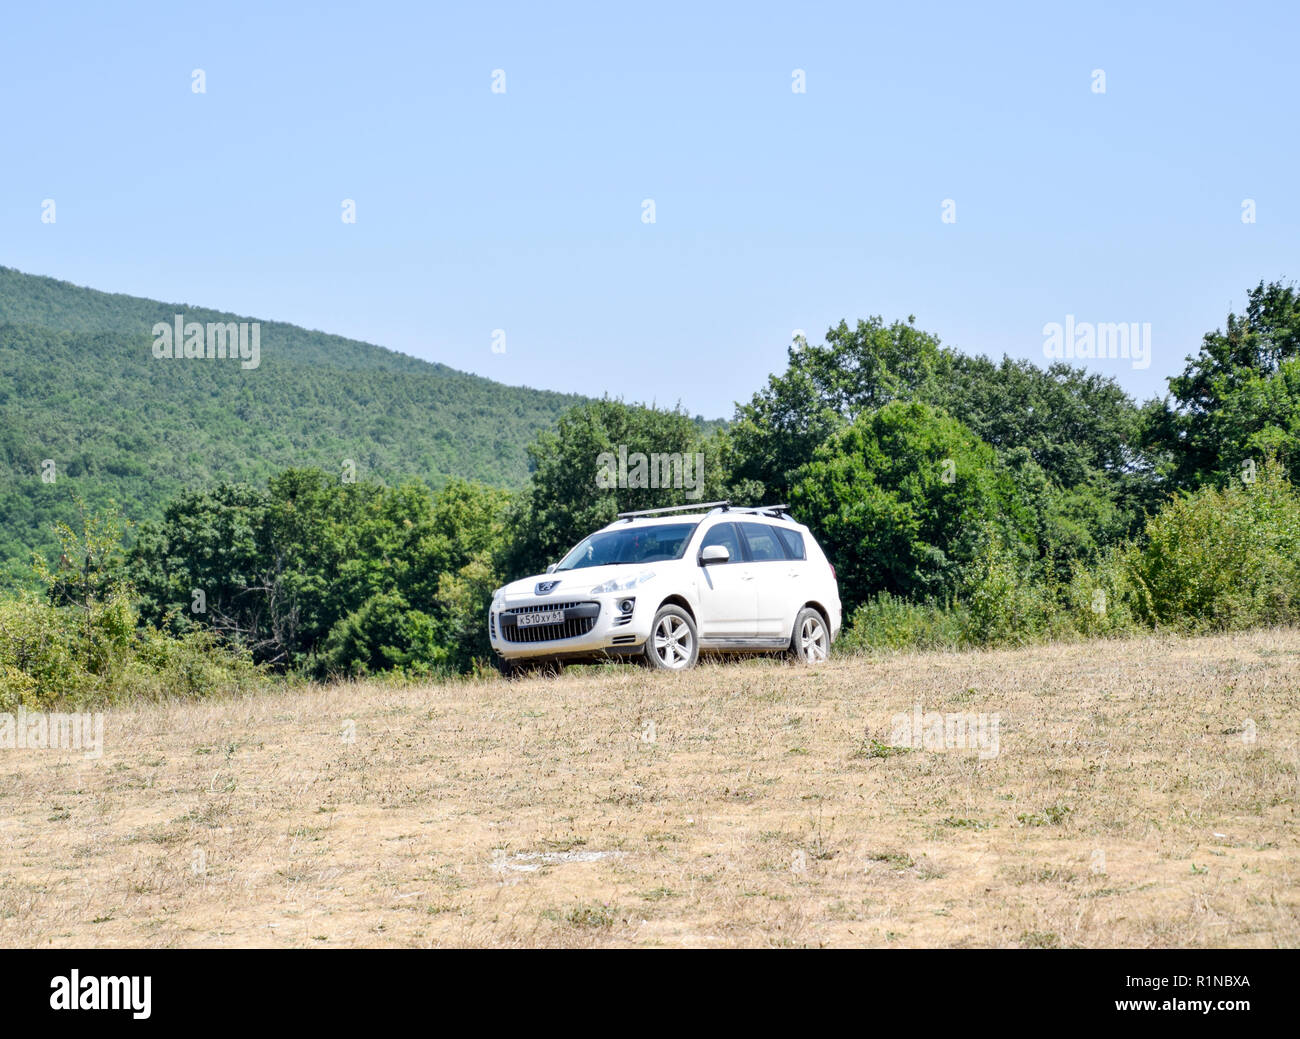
point(1005, 605)
point(82, 641)
point(194, 665)
point(383, 634)
point(889, 622)
point(37, 654)
point(1100, 602)
point(57, 655)
point(1221, 558)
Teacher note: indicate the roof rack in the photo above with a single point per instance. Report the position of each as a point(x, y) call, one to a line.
point(675, 508)
point(764, 510)
point(756, 510)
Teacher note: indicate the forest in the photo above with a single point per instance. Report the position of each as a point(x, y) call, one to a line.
point(86, 408)
point(209, 535)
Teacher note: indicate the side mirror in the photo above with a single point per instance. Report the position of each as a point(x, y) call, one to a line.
point(551, 569)
point(714, 554)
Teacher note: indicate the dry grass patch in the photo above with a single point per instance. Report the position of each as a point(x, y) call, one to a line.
point(1143, 795)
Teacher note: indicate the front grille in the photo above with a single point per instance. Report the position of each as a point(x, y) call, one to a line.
point(569, 629)
point(579, 619)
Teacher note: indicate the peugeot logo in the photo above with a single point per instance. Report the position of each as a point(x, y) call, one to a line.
point(545, 586)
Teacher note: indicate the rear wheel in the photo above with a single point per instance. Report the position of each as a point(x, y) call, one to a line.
point(673, 644)
point(811, 641)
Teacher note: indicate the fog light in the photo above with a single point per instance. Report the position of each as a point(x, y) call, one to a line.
point(625, 606)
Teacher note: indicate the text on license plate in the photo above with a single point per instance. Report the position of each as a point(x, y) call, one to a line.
point(528, 620)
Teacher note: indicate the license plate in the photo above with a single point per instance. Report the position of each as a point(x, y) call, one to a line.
point(529, 620)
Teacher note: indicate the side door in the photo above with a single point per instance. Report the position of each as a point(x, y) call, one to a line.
point(727, 596)
point(775, 576)
point(802, 585)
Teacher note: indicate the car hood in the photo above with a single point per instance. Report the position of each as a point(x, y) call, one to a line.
point(573, 583)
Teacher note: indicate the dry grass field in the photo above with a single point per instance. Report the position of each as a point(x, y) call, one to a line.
point(1143, 794)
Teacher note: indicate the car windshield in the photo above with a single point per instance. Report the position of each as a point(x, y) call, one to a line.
point(632, 544)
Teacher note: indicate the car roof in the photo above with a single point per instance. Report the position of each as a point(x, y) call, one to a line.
point(655, 521)
point(735, 516)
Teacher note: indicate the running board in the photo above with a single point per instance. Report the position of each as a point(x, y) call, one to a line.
point(744, 642)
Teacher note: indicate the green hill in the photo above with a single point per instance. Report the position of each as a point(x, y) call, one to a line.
point(80, 385)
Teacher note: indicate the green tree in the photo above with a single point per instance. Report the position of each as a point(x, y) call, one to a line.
point(1079, 428)
point(1075, 424)
point(823, 388)
point(327, 575)
point(1238, 398)
point(572, 493)
point(902, 499)
point(383, 634)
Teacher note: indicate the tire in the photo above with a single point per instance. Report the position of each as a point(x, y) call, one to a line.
point(810, 642)
point(508, 668)
point(673, 644)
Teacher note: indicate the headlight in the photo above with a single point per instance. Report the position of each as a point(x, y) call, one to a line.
point(627, 584)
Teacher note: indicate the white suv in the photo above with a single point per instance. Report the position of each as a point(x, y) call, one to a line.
point(666, 584)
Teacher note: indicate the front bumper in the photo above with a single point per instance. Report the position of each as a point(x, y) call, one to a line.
point(589, 627)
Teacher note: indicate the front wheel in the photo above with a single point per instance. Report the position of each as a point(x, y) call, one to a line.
point(811, 641)
point(673, 644)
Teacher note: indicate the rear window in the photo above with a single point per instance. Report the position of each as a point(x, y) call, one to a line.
point(793, 542)
point(762, 542)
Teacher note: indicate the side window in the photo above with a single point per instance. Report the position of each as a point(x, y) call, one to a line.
point(724, 534)
point(793, 542)
point(763, 545)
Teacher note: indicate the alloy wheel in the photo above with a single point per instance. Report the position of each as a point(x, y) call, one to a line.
point(812, 640)
point(672, 642)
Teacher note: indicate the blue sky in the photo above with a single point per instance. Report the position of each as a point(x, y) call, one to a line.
point(774, 210)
